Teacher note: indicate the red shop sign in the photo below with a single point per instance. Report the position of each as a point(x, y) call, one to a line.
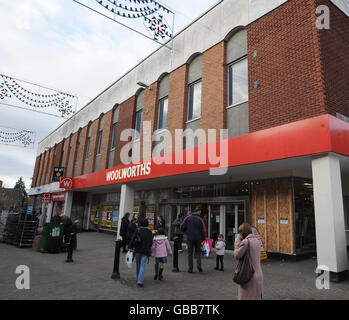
point(58, 197)
point(66, 183)
point(46, 198)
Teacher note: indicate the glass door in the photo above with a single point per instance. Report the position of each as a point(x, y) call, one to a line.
point(214, 222)
point(234, 217)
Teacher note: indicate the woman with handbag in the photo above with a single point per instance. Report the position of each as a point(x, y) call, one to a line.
point(249, 272)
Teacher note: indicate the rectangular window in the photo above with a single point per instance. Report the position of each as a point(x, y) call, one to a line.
point(194, 105)
point(113, 139)
point(238, 82)
point(163, 106)
point(138, 126)
point(99, 145)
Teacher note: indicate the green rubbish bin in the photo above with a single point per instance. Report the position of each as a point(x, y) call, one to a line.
point(52, 238)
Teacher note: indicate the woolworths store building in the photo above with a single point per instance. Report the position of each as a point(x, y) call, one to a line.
point(267, 74)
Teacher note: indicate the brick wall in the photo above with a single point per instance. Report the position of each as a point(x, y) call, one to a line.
point(81, 151)
point(35, 173)
point(71, 160)
point(334, 50)
point(177, 101)
point(107, 128)
point(93, 146)
point(214, 83)
point(287, 66)
point(126, 121)
point(150, 113)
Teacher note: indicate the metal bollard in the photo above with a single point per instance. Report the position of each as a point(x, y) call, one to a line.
point(116, 273)
point(175, 255)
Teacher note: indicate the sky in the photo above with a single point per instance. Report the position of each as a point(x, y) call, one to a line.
point(61, 45)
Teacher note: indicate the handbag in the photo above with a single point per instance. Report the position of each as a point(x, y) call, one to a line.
point(244, 270)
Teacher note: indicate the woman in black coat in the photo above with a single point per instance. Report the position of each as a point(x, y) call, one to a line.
point(123, 230)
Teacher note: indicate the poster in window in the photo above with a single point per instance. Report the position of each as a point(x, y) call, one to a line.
point(104, 217)
point(115, 218)
point(109, 211)
point(150, 216)
point(93, 214)
point(98, 208)
point(136, 212)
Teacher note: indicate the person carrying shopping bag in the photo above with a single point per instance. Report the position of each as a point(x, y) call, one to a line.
point(248, 244)
point(141, 243)
point(161, 247)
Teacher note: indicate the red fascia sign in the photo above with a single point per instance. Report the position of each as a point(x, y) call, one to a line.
point(302, 138)
point(58, 197)
point(66, 183)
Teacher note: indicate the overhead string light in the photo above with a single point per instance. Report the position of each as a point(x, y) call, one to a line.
point(17, 137)
point(19, 93)
point(153, 14)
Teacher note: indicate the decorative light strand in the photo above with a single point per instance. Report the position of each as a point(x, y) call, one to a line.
point(17, 137)
point(58, 102)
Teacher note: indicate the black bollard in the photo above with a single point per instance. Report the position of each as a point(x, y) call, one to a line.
point(175, 255)
point(116, 273)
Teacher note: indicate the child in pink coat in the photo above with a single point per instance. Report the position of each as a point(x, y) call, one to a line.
point(161, 247)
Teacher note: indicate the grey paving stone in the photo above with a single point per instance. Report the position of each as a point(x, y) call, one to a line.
point(89, 277)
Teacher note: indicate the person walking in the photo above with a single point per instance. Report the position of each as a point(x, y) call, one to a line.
point(123, 230)
point(194, 229)
point(132, 227)
point(70, 231)
point(252, 290)
point(160, 224)
point(220, 250)
point(177, 230)
point(141, 243)
point(161, 247)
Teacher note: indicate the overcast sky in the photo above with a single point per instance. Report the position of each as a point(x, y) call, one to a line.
point(61, 45)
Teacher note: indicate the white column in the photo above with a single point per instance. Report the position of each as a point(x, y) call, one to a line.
point(329, 214)
point(49, 212)
point(68, 203)
point(126, 204)
point(88, 213)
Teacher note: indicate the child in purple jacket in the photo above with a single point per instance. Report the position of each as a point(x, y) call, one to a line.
point(161, 247)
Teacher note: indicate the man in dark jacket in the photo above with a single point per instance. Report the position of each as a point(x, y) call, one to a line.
point(131, 229)
point(193, 227)
point(141, 243)
point(123, 230)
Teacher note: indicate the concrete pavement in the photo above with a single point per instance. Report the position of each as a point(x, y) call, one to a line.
point(89, 277)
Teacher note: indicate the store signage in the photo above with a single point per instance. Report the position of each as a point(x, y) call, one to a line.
point(58, 197)
point(134, 171)
point(30, 210)
point(66, 183)
point(46, 198)
point(58, 172)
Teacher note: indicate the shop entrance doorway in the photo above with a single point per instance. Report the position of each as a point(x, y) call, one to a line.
point(235, 215)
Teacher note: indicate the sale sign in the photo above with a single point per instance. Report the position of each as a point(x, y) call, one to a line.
point(263, 252)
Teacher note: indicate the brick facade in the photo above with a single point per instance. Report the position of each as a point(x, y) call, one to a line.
point(301, 72)
point(287, 66)
point(105, 148)
point(214, 84)
point(126, 121)
point(334, 50)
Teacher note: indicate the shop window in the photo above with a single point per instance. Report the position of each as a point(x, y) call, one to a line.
point(138, 126)
point(163, 107)
point(194, 101)
point(238, 82)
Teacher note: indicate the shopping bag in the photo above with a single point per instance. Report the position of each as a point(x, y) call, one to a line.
point(210, 243)
point(205, 249)
point(129, 259)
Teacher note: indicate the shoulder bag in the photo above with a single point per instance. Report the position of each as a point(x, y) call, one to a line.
point(244, 270)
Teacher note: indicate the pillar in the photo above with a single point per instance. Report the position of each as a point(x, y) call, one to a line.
point(68, 203)
point(126, 204)
point(329, 216)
